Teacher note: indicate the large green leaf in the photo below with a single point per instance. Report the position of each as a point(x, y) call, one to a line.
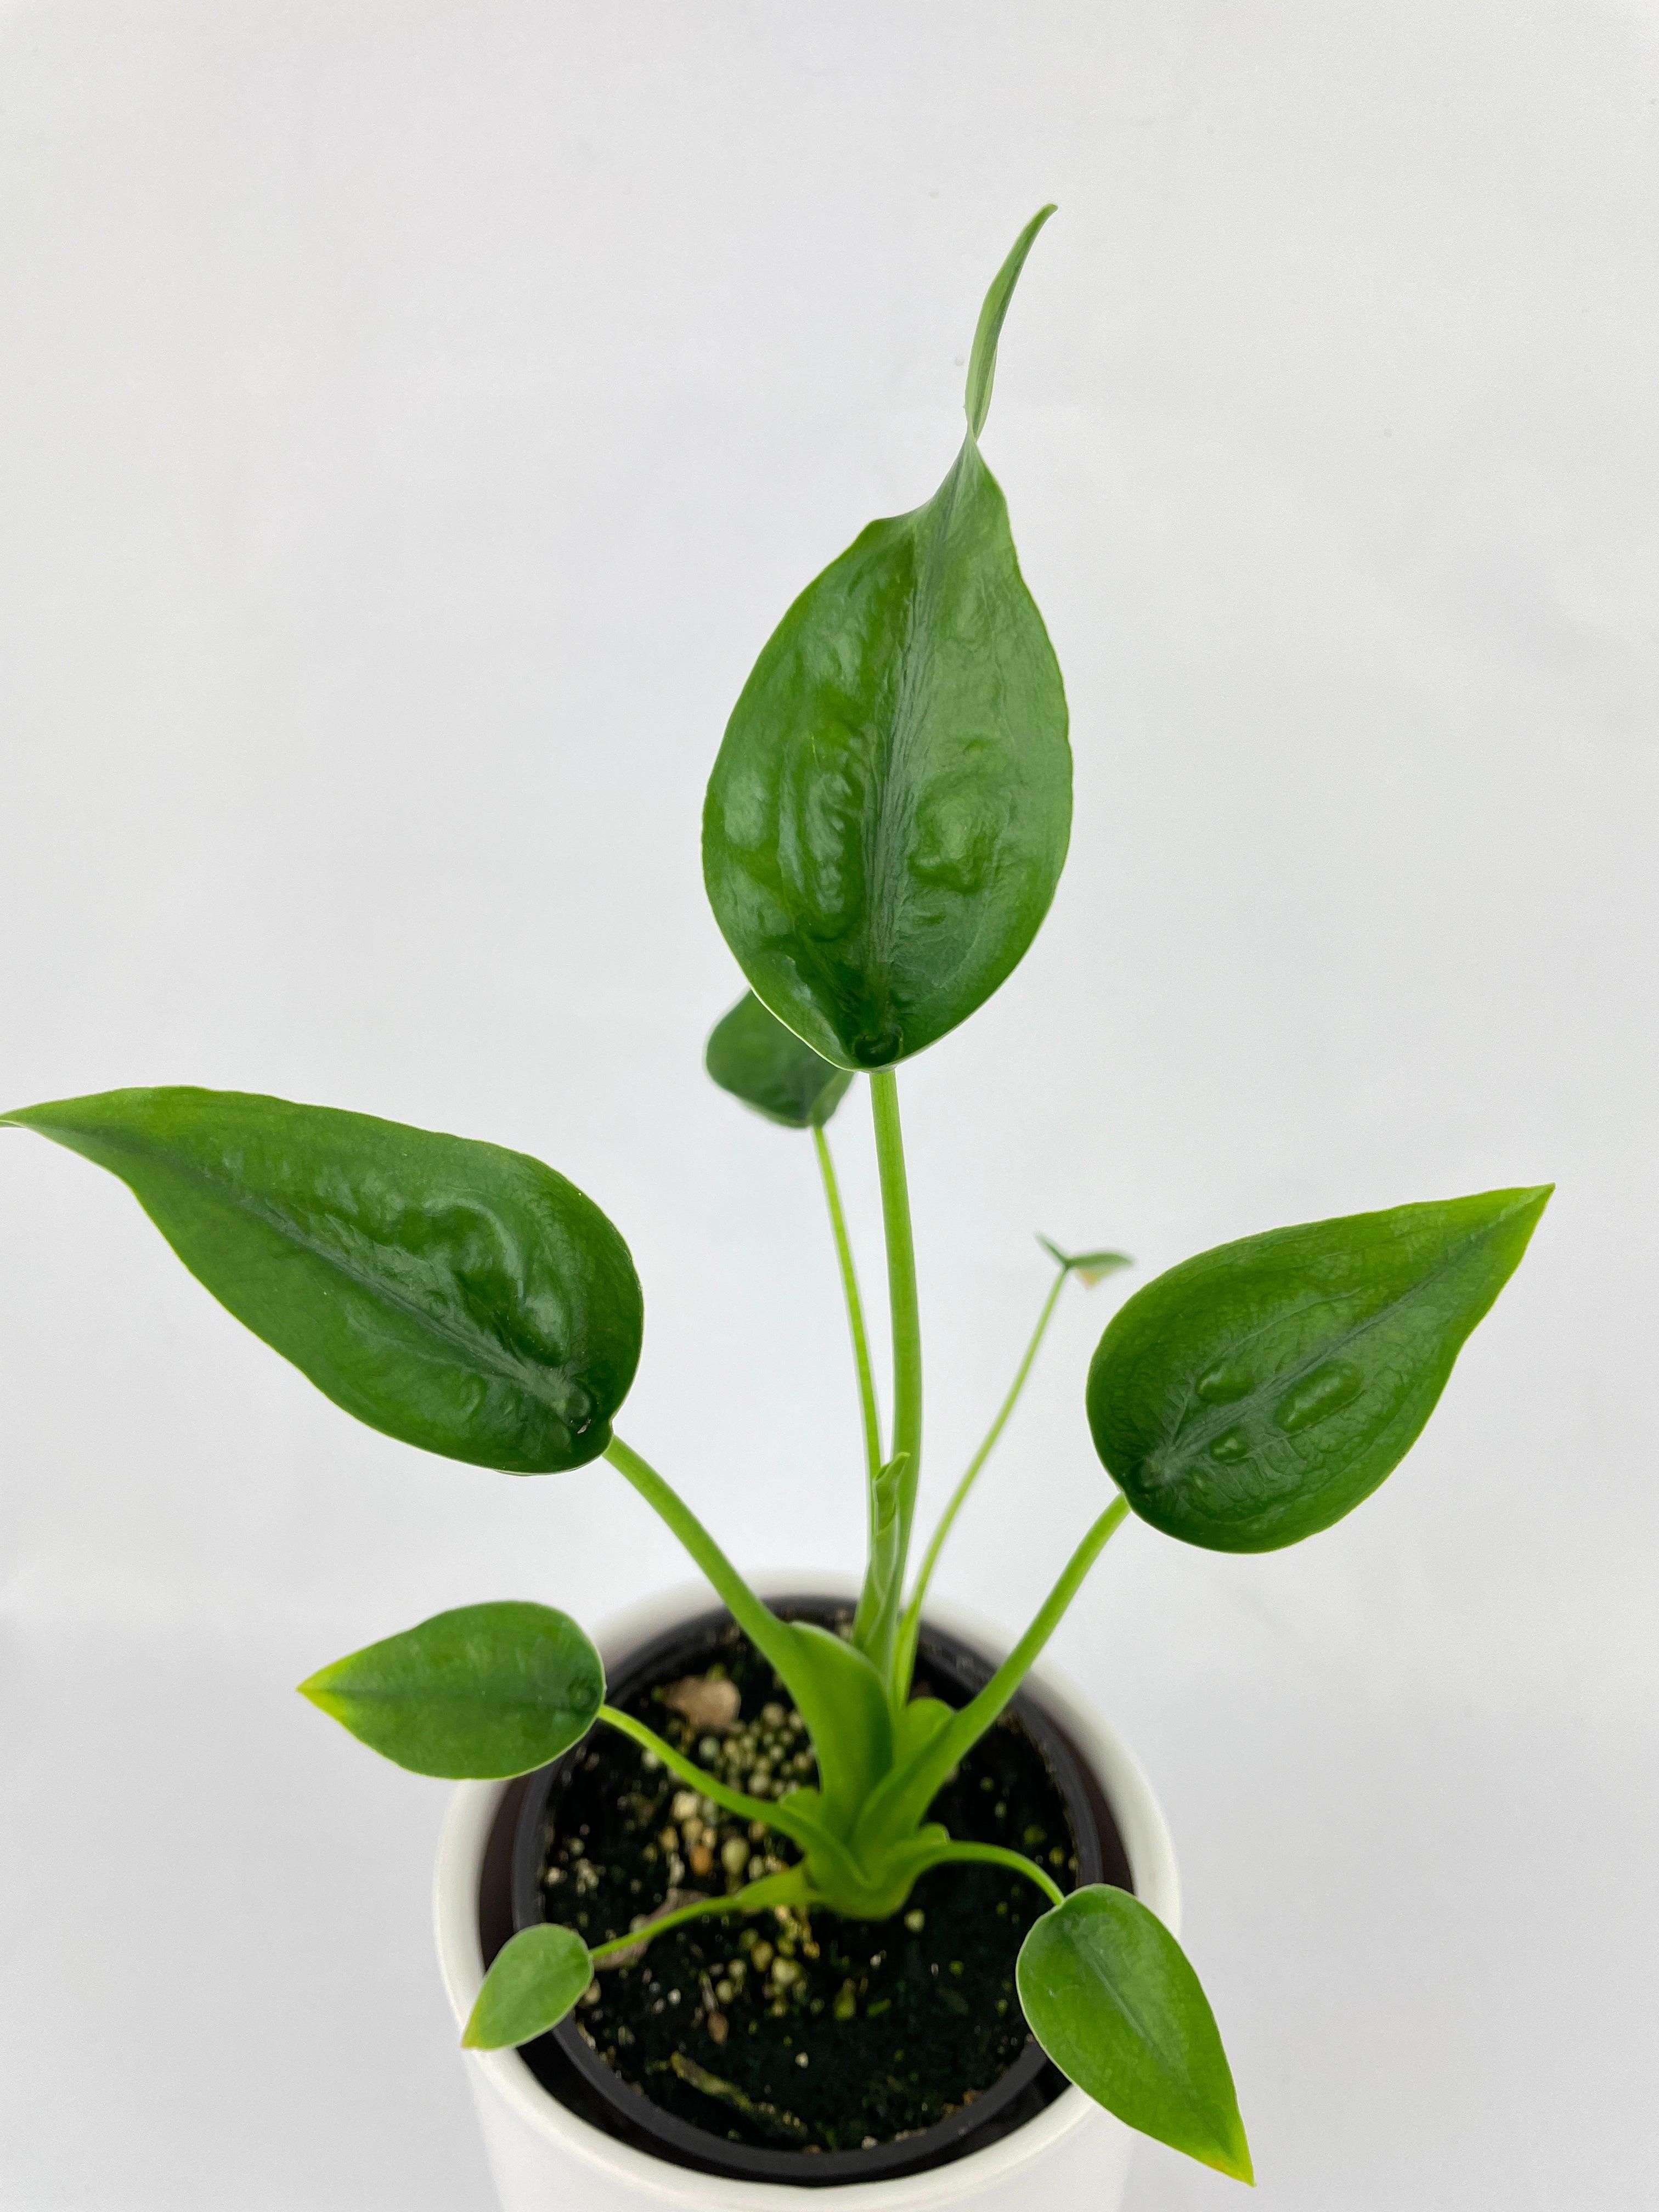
point(534, 1979)
point(752, 1055)
point(1256, 1393)
point(475, 1694)
point(889, 813)
point(462, 1297)
point(1110, 1998)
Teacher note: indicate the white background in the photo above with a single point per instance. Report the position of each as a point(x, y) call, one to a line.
point(415, 417)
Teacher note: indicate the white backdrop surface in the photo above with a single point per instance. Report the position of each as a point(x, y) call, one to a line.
point(413, 417)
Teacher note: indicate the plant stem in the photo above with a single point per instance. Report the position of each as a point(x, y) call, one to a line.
point(776, 1815)
point(905, 1798)
point(994, 1855)
point(789, 1887)
point(778, 1641)
point(769, 1635)
point(876, 1620)
point(911, 1625)
point(849, 1283)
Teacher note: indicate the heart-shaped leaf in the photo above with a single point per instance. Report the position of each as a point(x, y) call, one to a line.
point(752, 1055)
point(888, 814)
point(533, 1980)
point(473, 1695)
point(459, 1296)
point(1110, 1998)
point(1255, 1394)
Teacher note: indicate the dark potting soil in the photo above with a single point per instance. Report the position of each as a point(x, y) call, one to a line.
point(793, 2030)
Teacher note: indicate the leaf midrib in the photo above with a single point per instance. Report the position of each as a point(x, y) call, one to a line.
point(501, 1365)
point(1225, 1417)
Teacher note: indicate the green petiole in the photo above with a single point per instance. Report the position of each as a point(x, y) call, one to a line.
point(910, 1622)
point(875, 1625)
point(850, 1281)
point(758, 1622)
point(789, 1887)
point(994, 1855)
point(895, 1807)
point(774, 1814)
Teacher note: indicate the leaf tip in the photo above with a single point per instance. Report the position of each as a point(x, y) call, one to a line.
point(1234, 2161)
point(317, 1690)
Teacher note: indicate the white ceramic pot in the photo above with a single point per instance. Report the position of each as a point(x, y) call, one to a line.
point(545, 2159)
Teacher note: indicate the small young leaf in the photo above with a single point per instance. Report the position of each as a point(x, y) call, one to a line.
point(1090, 1267)
point(453, 1295)
point(888, 814)
point(1109, 1996)
point(534, 1979)
point(1255, 1394)
point(752, 1055)
point(477, 1694)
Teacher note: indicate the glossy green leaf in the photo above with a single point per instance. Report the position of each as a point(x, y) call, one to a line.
point(533, 1981)
point(1089, 1267)
point(475, 1695)
point(459, 1296)
point(1109, 1996)
point(752, 1055)
point(1256, 1393)
point(888, 814)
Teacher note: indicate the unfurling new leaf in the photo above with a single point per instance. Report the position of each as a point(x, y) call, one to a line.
point(1256, 1393)
point(1111, 1998)
point(889, 813)
point(457, 1296)
point(477, 1694)
point(532, 1985)
point(752, 1055)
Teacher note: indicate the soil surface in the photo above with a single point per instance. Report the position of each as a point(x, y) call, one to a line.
point(793, 2030)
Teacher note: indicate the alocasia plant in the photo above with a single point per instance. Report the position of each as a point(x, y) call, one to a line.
point(885, 824)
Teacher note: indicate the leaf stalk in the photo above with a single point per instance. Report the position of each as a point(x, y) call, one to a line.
point(876, 1624)
point(910, 1622)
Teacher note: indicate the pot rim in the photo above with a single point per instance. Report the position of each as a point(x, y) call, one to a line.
point(466, 1831)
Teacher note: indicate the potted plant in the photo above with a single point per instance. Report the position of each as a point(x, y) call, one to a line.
point(812, 1887)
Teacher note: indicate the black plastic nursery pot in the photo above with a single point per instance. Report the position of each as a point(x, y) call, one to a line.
point(801, 2048)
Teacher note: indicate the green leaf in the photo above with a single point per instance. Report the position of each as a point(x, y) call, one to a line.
point(843, 1700)
point(915, 1724)
point(982, 363)
point(477, 1694)
point(752, 1055)
point(1256, 1393)
point(888, 814)
point(459, 1296)
point(1110, 1998)
point(534, 1979)
point(1089, 1267)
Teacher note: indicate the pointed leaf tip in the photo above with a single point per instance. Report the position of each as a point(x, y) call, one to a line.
point(982, 364)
